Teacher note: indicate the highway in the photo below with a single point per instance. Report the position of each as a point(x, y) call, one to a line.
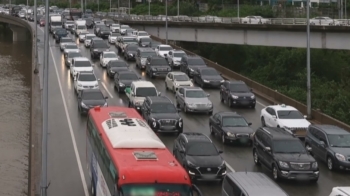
point(66, 152)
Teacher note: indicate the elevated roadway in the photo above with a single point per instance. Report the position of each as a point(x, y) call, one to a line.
point(67, 164)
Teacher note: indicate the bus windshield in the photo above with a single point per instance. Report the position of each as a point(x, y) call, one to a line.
point(156, 189)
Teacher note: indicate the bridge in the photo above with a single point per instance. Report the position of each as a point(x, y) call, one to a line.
point(276, 32)
point(21, 30)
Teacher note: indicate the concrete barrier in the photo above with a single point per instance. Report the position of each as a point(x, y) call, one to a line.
point(268, 94)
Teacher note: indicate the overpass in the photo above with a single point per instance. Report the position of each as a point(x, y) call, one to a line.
point(278, 32)
point(20, 29)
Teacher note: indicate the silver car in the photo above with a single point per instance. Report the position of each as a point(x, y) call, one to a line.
point(193, 99)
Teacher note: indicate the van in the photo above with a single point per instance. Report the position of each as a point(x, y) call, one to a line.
point(340, 191)
point(250, 184)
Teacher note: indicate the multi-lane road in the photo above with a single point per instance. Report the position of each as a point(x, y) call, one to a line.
point(66, 152)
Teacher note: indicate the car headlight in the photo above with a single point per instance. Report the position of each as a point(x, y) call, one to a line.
point(222, 81)
point(131, 54)
point(154, 69)
point(234, 97)
point(191, 105)
point(96, 85)
point(314, 165)
point(112, 71)
point(191, 69)
point(191, 84)
point(340, 157)
point(189, 163)
point(252, 97)
point(230, 134)
point(121, 84)
point(96, 50)
point(283, 164)
point(79, 85)
point(206, 81)
point(176, 84)
point(69, 61)
point(209, 104)
point(137, 103)
point(83, 105)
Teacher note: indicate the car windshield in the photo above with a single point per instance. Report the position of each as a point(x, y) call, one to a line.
point(165, 48)
point(195, 94)
point(132, 47)
point(110, 55)
point(71, 46)
point(109, 22)
point(209, 72)
point(143, 34)
point(114, 34)
point(104, 28)
point(201, 149)
point(146, 91)
point(74, 54)
point(288, 146)
point(179, 54)
point(66, 40)
point(342, 140)
point(147, 54)
point(82, 64)
point(128, 76)
point(87, 77)
point(101, 44)
point(232, 121)
point(181, 78)
point(156, 189)
point(130, 40)
point(115, 25)
point(93, 96)
point(289, 114)
point(163, 108)
point(196, 62)
point(61, 32)
point(69, 22)
point(117, 64)
point(146, 40)
point(160, 61)
point(90, 36)
point(239, 88)
point(83, 33)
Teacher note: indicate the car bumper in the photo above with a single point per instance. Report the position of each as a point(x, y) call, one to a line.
point(244, 102)
point(176, 65)
point(242, 140)
point(196, 175)
point(83, 88)
point(199, 110)
point(96, 53)
point(343, 165)
point(299, 175)
point(104, 35)
point(212, 84)
point(160, 74)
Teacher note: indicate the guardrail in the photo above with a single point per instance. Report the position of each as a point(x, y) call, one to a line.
point(270, 95)
point(228, 20)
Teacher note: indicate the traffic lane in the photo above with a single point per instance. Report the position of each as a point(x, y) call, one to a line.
point(63, 170)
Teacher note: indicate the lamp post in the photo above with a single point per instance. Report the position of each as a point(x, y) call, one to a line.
point(166, 21)
point(308, 68)
point(237, 8)
point(178, 7)
point(110, 5)
point(149, 7)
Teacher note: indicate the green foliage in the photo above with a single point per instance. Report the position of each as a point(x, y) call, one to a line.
point(244, 10)
point(284, 69)
point(157, 8)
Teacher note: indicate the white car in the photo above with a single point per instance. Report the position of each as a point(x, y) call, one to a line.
point(88, 38)
point(174, 80)
point(324, 21)
point(141, 34)
point(112, 37)
point(123, 29)
point(115, 28)
point(340, 191)
point(85, 80)
point(82, 35)
point(255, 20)
point(163, 50)
point(107, 56)
point(80, 64)
point(64, 41)
point(69, 24)
point(72, 47)
point(284, 116)
point(174, 58)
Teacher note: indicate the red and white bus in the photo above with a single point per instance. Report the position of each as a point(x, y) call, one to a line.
point(126, 158)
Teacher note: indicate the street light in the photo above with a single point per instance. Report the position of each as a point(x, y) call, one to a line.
point(166, 21)
point(178, 7)
point(149, 7)
point(237, 8)
point(308, 68)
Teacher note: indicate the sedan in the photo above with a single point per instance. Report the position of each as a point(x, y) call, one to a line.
point(70, 48)
point(193, 99)
point(59, 34)
point(64, 41)
point(231, 127)
point(82, 36)
point(114, 66)
point(89, 98)
point(174, 80)
point(123, 79)
point(208, 77)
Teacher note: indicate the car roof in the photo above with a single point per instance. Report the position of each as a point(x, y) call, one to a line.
point(278, 133)
point(106, 52)
point(143, 83)
point(142, 31)
point(156, 57)
point(196, 136)
point(225, 114)
point(282, 107)
point(158, 99)
point(331, 129)
point(71, 44)
point(178, 51)
point(90, 34)
point(81, 59)
point(66, 38)
point(164, 45)
point(146, 49)
point(177, 73)
point(256, 184)
point(126, 71)
point(192, 88)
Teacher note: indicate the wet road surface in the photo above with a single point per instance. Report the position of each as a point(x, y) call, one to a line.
point(67, 164)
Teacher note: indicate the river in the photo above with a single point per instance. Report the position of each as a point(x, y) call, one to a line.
point(15, 69)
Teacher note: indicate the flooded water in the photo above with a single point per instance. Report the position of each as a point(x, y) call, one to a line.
point(15, 68)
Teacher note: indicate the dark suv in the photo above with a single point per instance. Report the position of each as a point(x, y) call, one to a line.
point(237, 93)
point(157, 66)
point(162, 115)
point(97, 47)
point(284, 154)
point(199, 156)
point(188, 64)
point(329, 143)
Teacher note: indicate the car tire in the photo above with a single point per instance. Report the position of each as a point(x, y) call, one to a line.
point(166, 86)
point(223, 139)
point(221, 98)
point(211, 129)
point(229, 103)
point(314, 180)
point(252, 106)
point(330, 163)
point(185, 109)
point(275, 173)
point(263, 123)
point(256, 158)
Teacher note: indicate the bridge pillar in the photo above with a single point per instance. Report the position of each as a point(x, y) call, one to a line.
point(18, 33)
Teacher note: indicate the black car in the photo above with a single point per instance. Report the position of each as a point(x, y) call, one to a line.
point(237, 93)
point(56, 30)
point(103, 32)
point(97, 47)
point(69, 56)
point(89, 98)
point(199, 156)
point(157, 66)
point(60, 33)
point(284, 155)
point(109, 22)
point(123, 79)
point(188, 64)
point(116, 65)
point(38, 17)
point(130, 52)
point(231, 127)
point(329, 143)
point(207, 77)
point(145, 42)
point(161, 115)
point(89, 23)
point(97, 28)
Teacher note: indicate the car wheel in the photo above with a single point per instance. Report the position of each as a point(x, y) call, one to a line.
point(252, 106)
point(223, 139)
point(275, 173)
point(166, 86)
point(174, 91)
point(330, 163)
point(211, 129)
point(229, 102)
point(263, 121)
point(314, 180)
point(256, 158)
point(221, 98)
point(185, 109)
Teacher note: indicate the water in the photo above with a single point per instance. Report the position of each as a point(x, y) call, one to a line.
point(15, 69)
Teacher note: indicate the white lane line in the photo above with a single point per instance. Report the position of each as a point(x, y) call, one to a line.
point(229, 166)
point(258, 102)
point(76, 152)
point(109, 93)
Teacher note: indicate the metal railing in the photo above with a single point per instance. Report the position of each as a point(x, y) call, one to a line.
point(235, 20)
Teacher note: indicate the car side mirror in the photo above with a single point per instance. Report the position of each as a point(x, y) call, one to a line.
point(268, 149)
point(322, 144)
point(98, 79)
point(159, 93)
point(132, 94)
point(220, 151)
point(106, 97)
point(274, 116)
point(305, 116)
point(181, 151)
point(208, 95)
point(251, 90)
point(249, 123)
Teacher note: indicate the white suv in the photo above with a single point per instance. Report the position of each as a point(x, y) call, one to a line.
point(80, 64)
point(174, 58)
point(85, 80)
point(163, 50)
point(107, 56)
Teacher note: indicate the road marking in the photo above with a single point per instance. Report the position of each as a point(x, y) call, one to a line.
point(258, 102)
point(229, 166)
point(109, 93)
point(76, 152)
